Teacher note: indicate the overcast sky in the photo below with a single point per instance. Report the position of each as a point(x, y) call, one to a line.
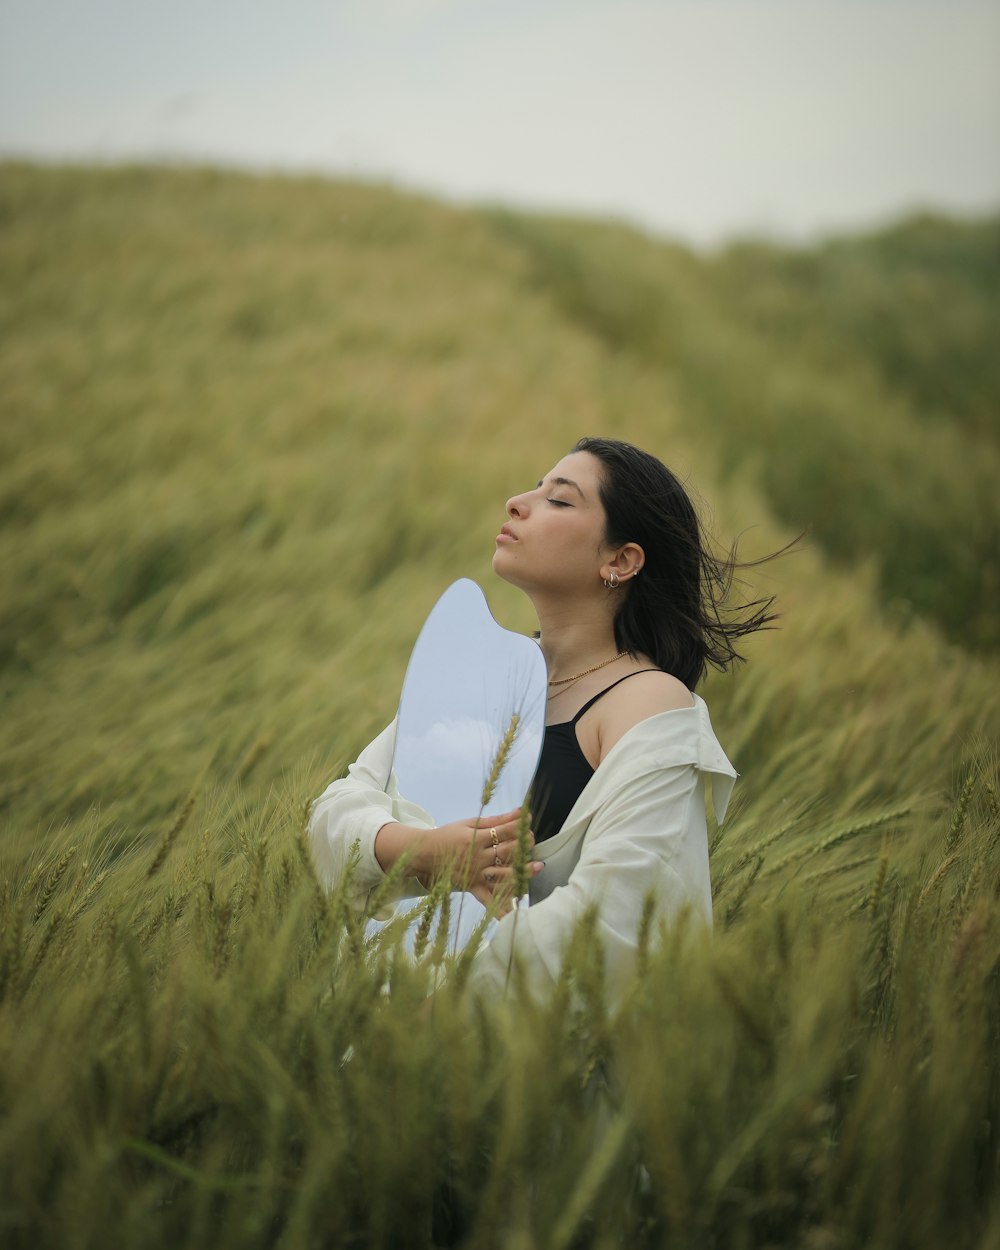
point(699, 118)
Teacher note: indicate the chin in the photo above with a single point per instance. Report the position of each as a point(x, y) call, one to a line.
point(503, 568)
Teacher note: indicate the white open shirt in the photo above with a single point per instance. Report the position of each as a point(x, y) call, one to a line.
point(638, 828)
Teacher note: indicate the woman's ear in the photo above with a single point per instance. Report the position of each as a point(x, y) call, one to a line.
point(626, 563)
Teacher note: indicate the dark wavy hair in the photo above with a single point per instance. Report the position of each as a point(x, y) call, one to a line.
point(675, 611)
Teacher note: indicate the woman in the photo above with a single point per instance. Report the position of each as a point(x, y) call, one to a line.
point(607, 546)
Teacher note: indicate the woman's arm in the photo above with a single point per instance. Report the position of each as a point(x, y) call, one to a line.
point(463, 852)
point(351, 811)
point(649, 837)
point(366, 811)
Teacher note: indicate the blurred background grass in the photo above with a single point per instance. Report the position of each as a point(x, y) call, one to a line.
point(251, 429)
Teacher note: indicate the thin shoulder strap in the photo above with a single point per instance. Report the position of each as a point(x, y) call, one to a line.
point(601, 693)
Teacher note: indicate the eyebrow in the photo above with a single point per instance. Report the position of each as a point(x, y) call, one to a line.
point(564, 481)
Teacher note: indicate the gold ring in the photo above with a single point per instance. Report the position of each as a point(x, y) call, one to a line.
point(489, 877)
point(496, 858)
point(493, 838)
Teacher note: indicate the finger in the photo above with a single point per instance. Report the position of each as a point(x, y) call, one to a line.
point(495, 834)
point(489, 896)
point(506, 890)
point(502, 855)
point(486, 862)
point(501, 818)
point(505, 817)
point(503, 884)
point(512, 840)
point(506, 833)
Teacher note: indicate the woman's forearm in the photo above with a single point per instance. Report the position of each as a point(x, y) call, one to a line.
point(470, 854)
point(394, 840)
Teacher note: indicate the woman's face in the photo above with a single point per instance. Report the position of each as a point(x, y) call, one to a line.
point(554, 535)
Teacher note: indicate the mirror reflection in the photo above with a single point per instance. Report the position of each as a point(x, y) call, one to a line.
point(469, 683)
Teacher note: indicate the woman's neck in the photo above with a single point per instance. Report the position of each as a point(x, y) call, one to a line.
point(572, 640)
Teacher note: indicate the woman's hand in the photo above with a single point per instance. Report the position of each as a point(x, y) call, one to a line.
point(476, 855)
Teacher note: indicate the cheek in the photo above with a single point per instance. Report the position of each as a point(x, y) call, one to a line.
point(575, 553)
point(580, 541)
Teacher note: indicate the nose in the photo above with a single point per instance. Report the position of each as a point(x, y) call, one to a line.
point(515, 506)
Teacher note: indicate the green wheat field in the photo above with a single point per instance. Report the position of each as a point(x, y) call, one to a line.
point(250, 429)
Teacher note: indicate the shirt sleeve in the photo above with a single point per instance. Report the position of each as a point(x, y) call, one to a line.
point(350, 812)
point(649, 837)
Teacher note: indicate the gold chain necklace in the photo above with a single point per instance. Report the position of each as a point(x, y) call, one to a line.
point(561, 681)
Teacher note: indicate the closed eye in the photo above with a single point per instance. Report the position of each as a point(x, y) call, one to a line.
point(560, 503)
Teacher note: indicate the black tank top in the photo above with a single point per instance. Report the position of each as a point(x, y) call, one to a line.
point(563, 770)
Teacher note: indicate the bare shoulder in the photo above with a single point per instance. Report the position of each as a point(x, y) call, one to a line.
point(643, 695)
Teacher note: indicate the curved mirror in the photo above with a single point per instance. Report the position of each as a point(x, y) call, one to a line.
point(470, 725)
point(469, 684)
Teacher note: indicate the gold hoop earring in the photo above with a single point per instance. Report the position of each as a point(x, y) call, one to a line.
point(615, 581)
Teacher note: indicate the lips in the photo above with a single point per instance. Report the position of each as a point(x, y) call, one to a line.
point(508, 533)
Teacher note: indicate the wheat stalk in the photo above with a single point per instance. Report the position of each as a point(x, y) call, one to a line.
point(522, 854)
point(170, 837)
point(428, 909)
point(258, 748)
point(835, 839)
point(500, 758)
point(49, 889)
point(937, 877)
point(440, 948)
point(961, 808)
point(503, 751)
